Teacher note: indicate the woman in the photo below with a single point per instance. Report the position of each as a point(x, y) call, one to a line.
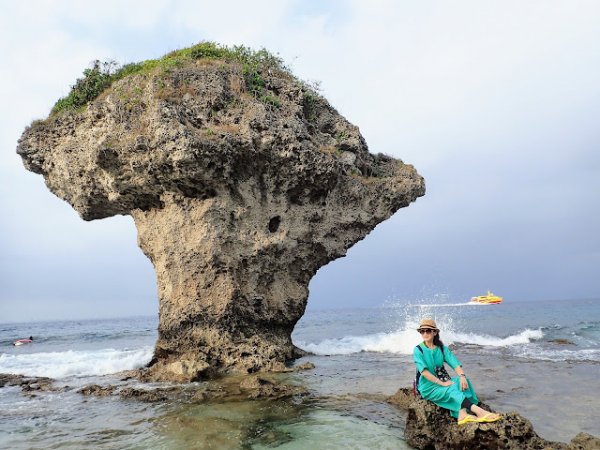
point(455, 394)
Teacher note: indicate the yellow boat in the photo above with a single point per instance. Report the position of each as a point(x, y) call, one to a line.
point(487, 299)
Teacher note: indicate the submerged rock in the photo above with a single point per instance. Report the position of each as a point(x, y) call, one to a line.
point(97, 391)
point(561, 342)
point(262, 387)
point(242, 183)
point(430, 427)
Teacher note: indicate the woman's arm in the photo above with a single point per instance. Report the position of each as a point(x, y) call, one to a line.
point(431, 377)
point(463, 378)
point(456, 365)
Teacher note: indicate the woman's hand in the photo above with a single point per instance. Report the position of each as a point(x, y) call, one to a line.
point(463, 384)
point(447, 383)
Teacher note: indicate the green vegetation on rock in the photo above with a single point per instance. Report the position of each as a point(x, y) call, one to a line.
point(101, 75)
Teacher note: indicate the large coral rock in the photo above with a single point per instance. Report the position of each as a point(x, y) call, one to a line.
point(430, 427)
point(238, 200)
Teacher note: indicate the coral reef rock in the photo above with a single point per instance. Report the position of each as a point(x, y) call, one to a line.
point(27, 384)
point(239, 195)
point(226, 389)
point(430, 427)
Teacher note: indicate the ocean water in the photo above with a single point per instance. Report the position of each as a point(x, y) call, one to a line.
point(539, 358)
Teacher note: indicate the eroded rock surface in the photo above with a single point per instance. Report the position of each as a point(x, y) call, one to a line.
point(430, 427)
point(27, 384)
point(238, 200)
point(228, 389)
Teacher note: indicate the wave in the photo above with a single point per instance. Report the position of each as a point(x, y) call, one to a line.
point(404, 341)
point(524, 337)
point(396, 342)
point(588, 354)
point(75, 363)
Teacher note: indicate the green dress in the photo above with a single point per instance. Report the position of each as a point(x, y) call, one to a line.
point(449, 397)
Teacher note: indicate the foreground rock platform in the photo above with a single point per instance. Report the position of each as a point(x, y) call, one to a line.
point(429, 427)
point(228, 389)
point(242, 182)
point(232, 388)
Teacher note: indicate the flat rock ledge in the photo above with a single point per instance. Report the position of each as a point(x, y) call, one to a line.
point(228, 389)
point(429, 427)
point(28, 385)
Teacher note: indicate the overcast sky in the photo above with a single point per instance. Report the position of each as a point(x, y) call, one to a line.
point(496, 103)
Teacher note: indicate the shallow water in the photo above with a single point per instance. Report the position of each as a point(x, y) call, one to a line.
point(509, 352)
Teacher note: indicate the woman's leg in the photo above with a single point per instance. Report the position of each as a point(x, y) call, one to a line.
point(470, 403)
point(470, 393)
point(480, 412)
point(466, 404)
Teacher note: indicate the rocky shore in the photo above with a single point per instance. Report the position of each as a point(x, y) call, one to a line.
point(427, 425)
point(430, 427)
point(227, 389)
point(242, 182)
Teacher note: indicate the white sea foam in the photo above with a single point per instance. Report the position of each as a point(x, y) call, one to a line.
point(396, 342)
point(442, 305)
point(590, 354)
point(524, 337)
point(404, 341)
point(75, 363)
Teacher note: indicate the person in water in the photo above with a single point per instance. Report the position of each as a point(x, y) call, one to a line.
point(23, 341)
point(434, 384)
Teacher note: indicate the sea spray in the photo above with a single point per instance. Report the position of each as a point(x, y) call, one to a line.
point(403, 342)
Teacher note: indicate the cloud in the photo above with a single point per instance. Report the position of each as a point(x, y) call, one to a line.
point(494, 103)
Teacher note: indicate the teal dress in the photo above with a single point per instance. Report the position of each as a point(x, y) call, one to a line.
point(449, 397)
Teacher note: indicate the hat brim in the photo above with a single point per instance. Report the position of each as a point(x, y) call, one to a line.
point(427, 327)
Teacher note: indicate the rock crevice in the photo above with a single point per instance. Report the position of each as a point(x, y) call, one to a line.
point(237, 200)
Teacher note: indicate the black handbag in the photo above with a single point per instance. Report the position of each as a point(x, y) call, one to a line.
point(441, 373)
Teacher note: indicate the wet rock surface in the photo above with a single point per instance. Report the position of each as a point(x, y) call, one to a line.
point(562, 342)
point(27, 384)
point(238, 200)
point(403, 398)
point(430, 427)
point(227, 389)
point(97, 391)
point(263, 387)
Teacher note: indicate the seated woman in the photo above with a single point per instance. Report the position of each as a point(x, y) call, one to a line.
point(455, 394)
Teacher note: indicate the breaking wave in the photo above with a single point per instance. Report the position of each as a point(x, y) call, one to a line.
point(75, 363)
point(404, 341)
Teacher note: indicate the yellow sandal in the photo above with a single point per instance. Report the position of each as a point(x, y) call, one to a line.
point(488, 418)
point(467, 419)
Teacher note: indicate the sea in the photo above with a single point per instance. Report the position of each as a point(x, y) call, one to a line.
point(540, 358)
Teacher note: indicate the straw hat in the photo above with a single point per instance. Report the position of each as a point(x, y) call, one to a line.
point(428, 323)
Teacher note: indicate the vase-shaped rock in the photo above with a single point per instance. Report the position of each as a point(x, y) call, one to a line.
point(239, 194)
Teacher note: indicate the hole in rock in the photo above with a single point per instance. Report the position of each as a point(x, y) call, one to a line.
point(274, 224)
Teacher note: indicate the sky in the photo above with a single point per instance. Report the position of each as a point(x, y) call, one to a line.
point(495, 103)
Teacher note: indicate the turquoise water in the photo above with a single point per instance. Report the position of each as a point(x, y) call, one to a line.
point(510, 351)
